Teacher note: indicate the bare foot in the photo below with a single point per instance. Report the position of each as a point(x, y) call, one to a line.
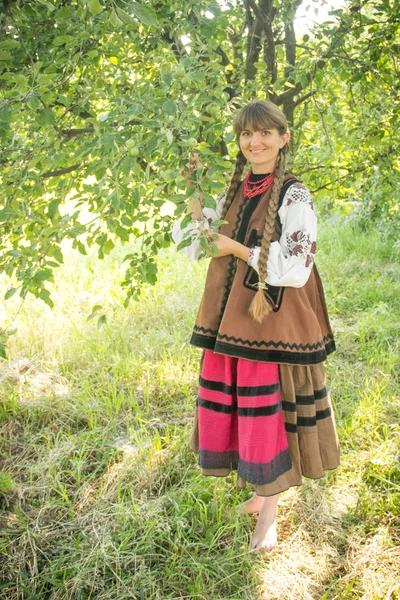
point(251, 506)
point(265, 536)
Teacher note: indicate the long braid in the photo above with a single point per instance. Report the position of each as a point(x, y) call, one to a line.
point(259, 307)
point(235, 182)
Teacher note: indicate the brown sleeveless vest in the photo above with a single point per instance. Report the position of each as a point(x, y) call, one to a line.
point(296, 331)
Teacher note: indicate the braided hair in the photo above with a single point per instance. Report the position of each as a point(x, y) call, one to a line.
point(259, 115)
point(259, 307)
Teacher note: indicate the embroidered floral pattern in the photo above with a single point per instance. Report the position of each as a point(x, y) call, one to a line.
point(299, 244)
point(299, 193)
point(250, 260)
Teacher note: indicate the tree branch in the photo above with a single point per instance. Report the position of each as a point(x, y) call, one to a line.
point(70, 133)
point(7, 8)
point(61, 171)
point(304, 98)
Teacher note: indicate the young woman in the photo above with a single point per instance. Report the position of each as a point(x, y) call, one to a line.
point(263, 407)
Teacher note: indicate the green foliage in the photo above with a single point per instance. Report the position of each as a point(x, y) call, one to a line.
point(102, 106)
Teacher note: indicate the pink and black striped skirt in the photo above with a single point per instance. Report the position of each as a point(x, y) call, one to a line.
point(272, 431)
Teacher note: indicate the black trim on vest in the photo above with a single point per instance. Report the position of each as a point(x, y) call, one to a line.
point(203, 341)
point(248, 211)
point(203, 330)
point(284, 345)
point(232, 264)
point(274, 356)
point(273, 294)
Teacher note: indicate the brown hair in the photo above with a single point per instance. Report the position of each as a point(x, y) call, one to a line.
point(260, 114)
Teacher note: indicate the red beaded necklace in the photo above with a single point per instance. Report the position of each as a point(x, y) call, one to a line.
point(253, 188)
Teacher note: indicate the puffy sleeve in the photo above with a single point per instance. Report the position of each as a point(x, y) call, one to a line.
point(291, 258)
point(191, 230)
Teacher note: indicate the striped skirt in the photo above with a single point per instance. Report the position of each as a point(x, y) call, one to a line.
point(272, 423)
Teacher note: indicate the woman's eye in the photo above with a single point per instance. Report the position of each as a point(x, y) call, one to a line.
point(265, 132)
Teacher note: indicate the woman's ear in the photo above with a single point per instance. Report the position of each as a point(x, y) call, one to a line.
point(285, 138)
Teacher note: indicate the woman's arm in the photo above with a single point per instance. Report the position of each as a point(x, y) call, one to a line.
point(291, 258)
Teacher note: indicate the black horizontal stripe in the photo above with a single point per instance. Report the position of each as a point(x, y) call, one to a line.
point(256, 411)
point(258, 390)
point(324, 414)
point(306, 421)
point(291, 427)
point(321, 394)
point(259, 411)
point(217, 406)
point(310, 399)
point(217, 386)
point(312, 421)
point(288, 406)
point(305, 400)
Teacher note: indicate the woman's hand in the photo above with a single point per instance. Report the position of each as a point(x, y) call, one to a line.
point(194, 206)
point(194, 165)
point(227, 246)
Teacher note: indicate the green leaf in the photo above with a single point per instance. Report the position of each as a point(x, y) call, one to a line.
point(203, 243)
point(303, 79)
point(47, 4)
point(115, 19)
point(101, 321)
point(95, 7)
point(3, 353)
point(108, 246)
point(127, 164)
point(45, 296)
point(94, 312)
point(209, 201)
point(170, 107)
point(213, 250)
point(5, 55)
point(10, 293)
point(185, 242)
point(122, 233)
point(218, 223)
point(62, 39)
point(45, 117)
point(186, 220)
point(53, 208)
point(81, 248)
point(9, 44)
point(144, 13)
point(5, 115)
point(43, 275)
point(55, 252)
point(152, 145)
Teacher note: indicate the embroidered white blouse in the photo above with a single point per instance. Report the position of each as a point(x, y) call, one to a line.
point(291, 258)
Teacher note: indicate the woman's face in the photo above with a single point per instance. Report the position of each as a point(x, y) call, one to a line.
point(261, 148)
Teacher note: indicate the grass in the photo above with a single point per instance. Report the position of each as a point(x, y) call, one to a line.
point(100, 496)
